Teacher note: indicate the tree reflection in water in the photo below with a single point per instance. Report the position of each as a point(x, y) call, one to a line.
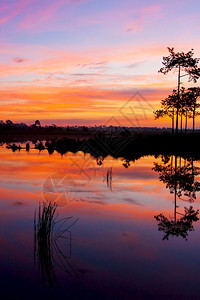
point(178, 227)
point(180, 180)
point(48, 232)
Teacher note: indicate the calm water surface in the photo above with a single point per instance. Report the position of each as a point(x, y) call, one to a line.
point(111, 247)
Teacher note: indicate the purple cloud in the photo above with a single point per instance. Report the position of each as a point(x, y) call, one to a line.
point(20, 60)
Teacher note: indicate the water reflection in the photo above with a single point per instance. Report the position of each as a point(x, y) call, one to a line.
point(178, 227)
point(116, 201)
point(109, 178)
point(49, 251)
point(179, 176)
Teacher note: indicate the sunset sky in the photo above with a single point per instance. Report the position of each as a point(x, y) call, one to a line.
point(91, 61)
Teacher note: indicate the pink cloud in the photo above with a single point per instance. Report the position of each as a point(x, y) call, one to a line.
point(43, 14)
point(46, 15)
point(11, 10)
point(145, 16)
point(120, 18)
point(8, 17)
point(34, 12)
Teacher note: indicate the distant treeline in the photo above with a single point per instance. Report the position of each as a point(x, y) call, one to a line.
point(10, 131)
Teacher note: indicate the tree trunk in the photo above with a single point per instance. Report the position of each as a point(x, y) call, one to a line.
point(173, 122)
point(181, 120)
point(192, 166)
point(175, 189)
point(186, 122)
point(177, 111)
point(171, 164)
point(194, 117)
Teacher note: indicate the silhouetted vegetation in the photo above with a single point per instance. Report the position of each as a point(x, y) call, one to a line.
point(109, 178)
point(127, 148)
point(179, 227)
point(180, 103)
point(180, 180)
point(48, 229)
point(23, 132)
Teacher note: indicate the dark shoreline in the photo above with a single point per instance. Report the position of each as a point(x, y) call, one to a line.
point(128, 147)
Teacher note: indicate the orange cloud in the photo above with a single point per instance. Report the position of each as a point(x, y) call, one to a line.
point(82, 103)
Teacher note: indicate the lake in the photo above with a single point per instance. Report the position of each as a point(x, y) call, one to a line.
point(74, 226)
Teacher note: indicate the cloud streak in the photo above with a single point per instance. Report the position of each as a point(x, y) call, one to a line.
point(78, 60)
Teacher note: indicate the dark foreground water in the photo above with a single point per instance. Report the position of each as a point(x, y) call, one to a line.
point(72, 228)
